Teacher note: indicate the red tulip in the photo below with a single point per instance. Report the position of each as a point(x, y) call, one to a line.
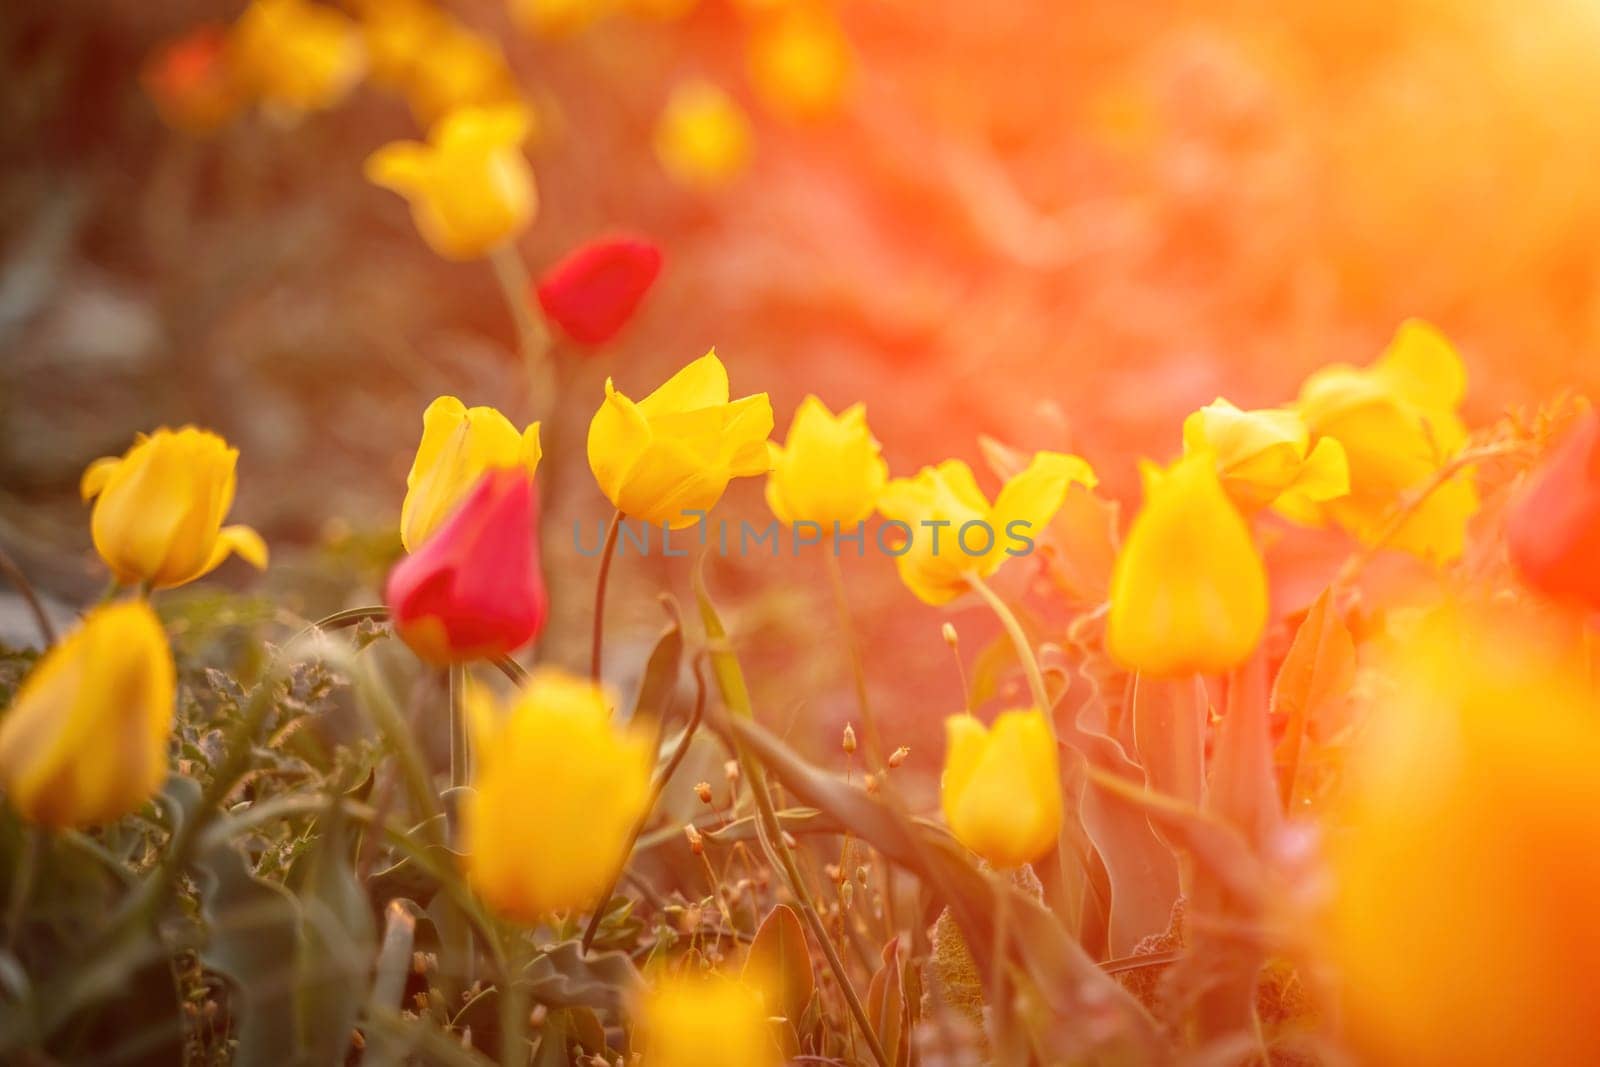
point(191, 81)
point(473, 590)
point(594, 291)
point(1553, 527)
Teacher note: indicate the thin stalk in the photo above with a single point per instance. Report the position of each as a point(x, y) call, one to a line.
point(857, 667)
point(22, 882)
point(533, 336)
point(598, 635)
point(1019, 640)
point(513, 1018)
point(460, 757)
point(999, 1024)
point(656, 789)
point(14, 575)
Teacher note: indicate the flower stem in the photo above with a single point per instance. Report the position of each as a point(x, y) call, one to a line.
point(857, 666)
point(14, 575)
point(1019, 640)
point(460, 758)
point(533, 336)
point(22, 883)
point(597, 638)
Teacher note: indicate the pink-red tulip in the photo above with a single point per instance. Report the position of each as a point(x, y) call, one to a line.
point(474, 590)
point(1553, 527)
point(593, 292)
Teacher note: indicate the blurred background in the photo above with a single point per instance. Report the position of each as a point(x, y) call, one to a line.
point(1060, 225)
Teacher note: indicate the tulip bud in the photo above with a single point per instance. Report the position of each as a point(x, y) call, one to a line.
point(458, 445)
point(556, 752)
point(1189, 591)
point(870, 784)
point(1553, 525)
point(85, 740)
point(593, 292)
point(899, 755)
point(474, 589)
point(948, 632)
point(1001, 787)
point(470, 187)
point(702, 139)
point(673, 453)
point(295, 56)
point(697, 842)
point(829, 470)
point(191, 82)
point(849, 741)
point(159, 508)
point(730, 771)
point(703, 791)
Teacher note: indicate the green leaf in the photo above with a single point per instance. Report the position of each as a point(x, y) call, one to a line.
point(660, 682)
point(336, 947)
point(779, 963)
point(563, 977)
point(389, 980)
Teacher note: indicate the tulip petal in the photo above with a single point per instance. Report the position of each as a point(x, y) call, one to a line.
point(1324, 476)
point(1034, 495)
point(402, 166)
point(618, 436)
point(701, 384)
point(96, 475)
point(1422, 367)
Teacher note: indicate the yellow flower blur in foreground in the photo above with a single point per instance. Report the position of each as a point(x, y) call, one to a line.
point(675, 451)
point(85, 740)
point(1265, 458)
point(458, 445)
point(557, 792)
point(702, 138)
point(1001, 788)
point(953, 529)
point(829, 470)
point(470, 187)
point(704, 1021)
point(800, 63)
point(1189, 590)
point(296, 56)
point(1397, 420)
point(1465, 925)
point(159, 508)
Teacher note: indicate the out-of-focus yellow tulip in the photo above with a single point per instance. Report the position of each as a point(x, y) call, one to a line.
point(297, 56)
point(829, 470)
point(1398, 424)
point(702, 138)
point(675, 451)
point(397, 34)
point(705, 1021)
point(470, 186)
point(458, 445)
point(559, 788)
point(661, 10)
point(800, 63)
point(953, 531)
point(558, 18)
point(1001, 788)
point(159, 508)
point(85, 740)
point(1464, 926)
point(1265, 457)
point(1189, 591)
point(415, 48)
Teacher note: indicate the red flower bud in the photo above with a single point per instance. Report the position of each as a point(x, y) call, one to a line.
point(1553, 526)
point(594, 291)
point(473, 590)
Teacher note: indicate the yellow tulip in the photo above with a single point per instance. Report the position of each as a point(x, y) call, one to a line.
point(674, 452)
point(558, 790)
point(417, 49)
point(829, 470)
point(1188, 591)
point(1001, 787)
point(800, 63)
point(85, 740)
point(470, 187)
point(1397, 422)
point(458, 445)
point(1266, 457)
point(297, 56)
point(159, 508)
point(1463, 926)
point(702, 138)
point(704, 1021)
point(953, 531)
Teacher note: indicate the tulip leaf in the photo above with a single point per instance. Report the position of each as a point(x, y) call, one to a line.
point(887, 1006)
point(780, 962)
point(1318, 671)
point(254, 930)
point(563, 977)
point(337, 940)
point(389, 980)
point(660, 682)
